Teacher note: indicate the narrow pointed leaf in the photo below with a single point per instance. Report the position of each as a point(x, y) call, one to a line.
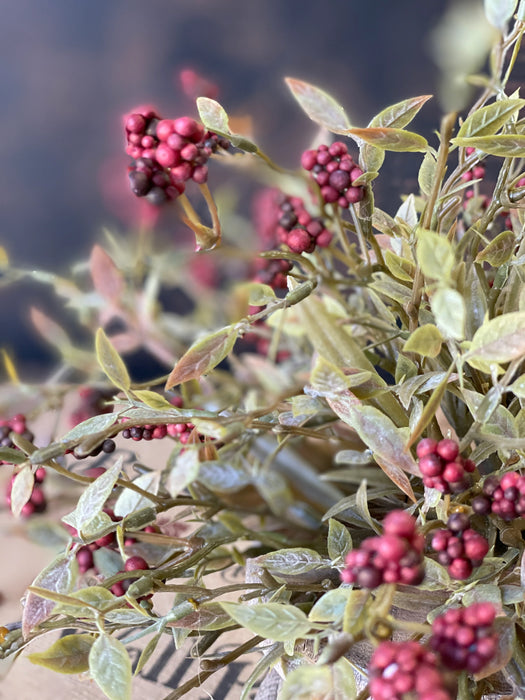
point(203, 356)
point(503, 145)
point(21, 489)
point(107, 278)
point(400, 114)
point(390, 139)
point(319, 106)
point(488, 120)
point(111, 362)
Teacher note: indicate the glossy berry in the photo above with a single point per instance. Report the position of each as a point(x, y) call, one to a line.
point(400, 670)
point(334, 170)
point(394, 557)
point(459, 547)
point(464, 638)
point(442, 467)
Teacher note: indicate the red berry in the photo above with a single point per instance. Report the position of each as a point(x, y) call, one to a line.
point(135, 563)
point(448, 449)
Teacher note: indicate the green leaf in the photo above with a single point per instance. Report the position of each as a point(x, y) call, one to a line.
point(499, 340)
point(448, 307)
point(389, 139)
point(67, 655)
point(92, 501)
point(85, 602)
point(331, 606)
point(153, 399)
point(498, 12)
point(223, 477)
point(425, 341)
point(400, 114)
point(259, 294)
point(319, 106)
point(130, 501)
point(91, 426)
point(488, 120)
point(203, 356)
point(111, 362)
point(435, 255)
point(21, 489)
point(335, 681)
point(328, 380)
point(504, 145)
point(381, 435)
point(339, 541)
point(400, 267)
point(293, 561)
point(430, 409)
point(110, 667)
point(499, 250)
point(274, 621)
point(213, 116)
point(427, 173)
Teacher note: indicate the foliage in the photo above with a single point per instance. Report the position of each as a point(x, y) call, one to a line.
point(292, 424)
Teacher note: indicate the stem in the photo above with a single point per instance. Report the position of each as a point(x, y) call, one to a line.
point(360, 235)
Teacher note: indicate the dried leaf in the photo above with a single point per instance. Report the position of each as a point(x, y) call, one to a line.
point(111, 362)
point(389, 139)
point(319, 106)
point(67, 655)
point(107, 278)
point(50, 330)
point(203, 356)
point(110, 667)
point(271, 620)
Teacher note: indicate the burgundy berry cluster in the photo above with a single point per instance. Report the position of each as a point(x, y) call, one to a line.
point(459, 547)
point(503, 496)
point(180, 431)
point(394, 557)
point(477, 172)
point(442, 466)
point(167, 153)
point(37, 502)
point(17, 425)
point(464, 638)
point(334, 170)
point(272, 271)
point(400, 670)
point(134, 563)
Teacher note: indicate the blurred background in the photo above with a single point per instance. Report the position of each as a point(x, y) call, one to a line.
point(71, 69)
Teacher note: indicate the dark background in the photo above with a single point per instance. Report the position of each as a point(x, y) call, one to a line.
point(71, 68)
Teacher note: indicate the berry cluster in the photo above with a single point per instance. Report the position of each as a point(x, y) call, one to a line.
point(400, 670)
point(167, 153)
point(503, 496)
point(17, 425)
point(37, 502)
point(135, 563)
point(394, 557)
point(181, 431)
point(273, 272)
point(283, 219)
point(442, 467)
point(477, 172)
point(464, 638)
point(334, 170)
point(460, 548)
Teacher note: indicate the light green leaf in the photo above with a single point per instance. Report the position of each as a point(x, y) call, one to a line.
point(274, 621)
point(111, 362)
point(427, 173)
point(203, 356)
point(425, 341)
point(488, 120)
point(328, 380)
point(213, 116)
point(92, 501)
point(67, 655)
point(293, 561)
point(498, 12)
point(400, 114)
point(435, 255)
point(400, 267)
point(499, 340)
point(223, 477)
point(335, 681)
point(96, 597)
point(319, 106)
point(339, 541)
point(91, 426)
point(153, 400)
point(130, 501)
point(504, 145)
point(499, 250)
point(21, 489)
point(331, 606)
point(389, 139)
point(449, 312)
point(110, 667)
